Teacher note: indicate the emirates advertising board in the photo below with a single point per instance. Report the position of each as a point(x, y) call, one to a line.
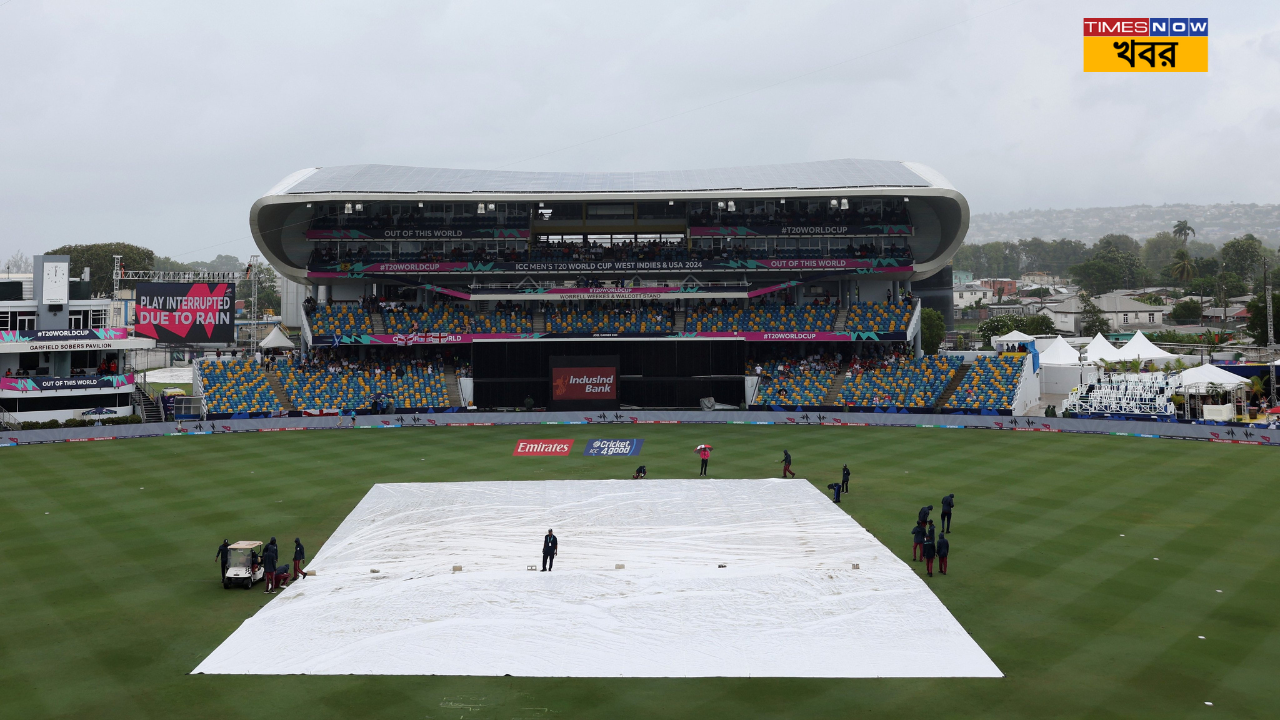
point(584, 382)
point(186, 312)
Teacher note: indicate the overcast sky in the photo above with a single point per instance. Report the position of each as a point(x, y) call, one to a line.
point(160, 123)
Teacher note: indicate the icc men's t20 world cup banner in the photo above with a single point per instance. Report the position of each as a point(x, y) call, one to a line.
point(186, 312)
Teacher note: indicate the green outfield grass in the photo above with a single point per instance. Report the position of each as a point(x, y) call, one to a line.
point(110, 593)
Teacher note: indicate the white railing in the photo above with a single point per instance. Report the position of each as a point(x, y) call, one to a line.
point(1028, 394)
point(914, 326)
point(306, 329)
point(8, 420)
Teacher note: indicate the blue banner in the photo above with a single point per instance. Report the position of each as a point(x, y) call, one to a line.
point(613, 447)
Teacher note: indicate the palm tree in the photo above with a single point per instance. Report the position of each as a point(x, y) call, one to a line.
point(1183, 268)
point(1182, 230)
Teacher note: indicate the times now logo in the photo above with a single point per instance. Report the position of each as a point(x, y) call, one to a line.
point(543, 447)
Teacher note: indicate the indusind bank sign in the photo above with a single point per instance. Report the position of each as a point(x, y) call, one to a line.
point(584, 383)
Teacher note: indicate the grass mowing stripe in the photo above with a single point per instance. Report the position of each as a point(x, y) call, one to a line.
point(1061, 604)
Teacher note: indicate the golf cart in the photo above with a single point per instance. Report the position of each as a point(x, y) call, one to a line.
point(241, 570)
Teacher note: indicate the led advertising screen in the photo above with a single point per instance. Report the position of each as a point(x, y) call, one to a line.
point(186, 312)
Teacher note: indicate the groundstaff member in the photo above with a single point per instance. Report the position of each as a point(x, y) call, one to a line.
point(917, 540)
point(222, 557)
point(923, 517)
point(550, 545)
point(270, 554)
point(844, 479)
point(929, 550)
point(786, 464)
point(704, 452)
point(944, 549)
point(948, 502)
point(299, 554)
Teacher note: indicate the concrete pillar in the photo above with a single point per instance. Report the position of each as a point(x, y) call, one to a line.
point(919, 344)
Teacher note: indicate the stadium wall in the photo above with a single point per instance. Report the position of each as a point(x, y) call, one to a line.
point(1236, 433)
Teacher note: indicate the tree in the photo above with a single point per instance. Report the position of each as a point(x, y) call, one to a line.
point(98, 258)
point(995, 327)
point(1243, 256)
point(1035, 325)
point(1097, 276)
point(268, 290)
point(1159, 251)
point(221, 263)
point(1257, 325)
point(1187, 310)
point(933, 330)
point(1092, 320)
point(18, 263)
point(1182, 269)
point(1201, 249)
point(1122, 243)
point(168, 264)
point(1182, 230)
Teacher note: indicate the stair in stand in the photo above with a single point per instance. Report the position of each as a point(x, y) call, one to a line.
point(379, 328)
point(841, 318)
point(539, 321)
point(451, 384)
point(677, 322)
point(833, 391)
point(145, 407)
point(282, 396)
point(951, 387)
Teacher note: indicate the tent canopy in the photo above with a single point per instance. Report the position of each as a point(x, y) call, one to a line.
point(276, 339)
point(1099, 350)
point(1198, 379)
point(1013, 338)
point(1059, 353)
point(1140, 348)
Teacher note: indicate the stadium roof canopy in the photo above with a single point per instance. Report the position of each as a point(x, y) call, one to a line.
point(826, 174)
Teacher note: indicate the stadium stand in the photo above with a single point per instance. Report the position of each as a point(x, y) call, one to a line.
point(990, 384)
point(236, 385)
point(456, 318)
point(504, 319)
point(763, 318)
point(610, 319)
point(437, 317)
point(340, 319)
point(878, 317)
point(335, 386)
point(786, 383)
point(906, 384)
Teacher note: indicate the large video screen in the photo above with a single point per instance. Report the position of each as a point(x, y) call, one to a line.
point(186, 312)
point(584, 382)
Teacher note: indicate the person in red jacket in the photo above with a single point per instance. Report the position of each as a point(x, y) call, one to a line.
point(704, 452)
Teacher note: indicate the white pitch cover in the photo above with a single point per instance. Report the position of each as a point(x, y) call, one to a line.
point(721, 578)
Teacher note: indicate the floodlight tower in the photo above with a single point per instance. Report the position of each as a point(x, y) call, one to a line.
point(1271, 332)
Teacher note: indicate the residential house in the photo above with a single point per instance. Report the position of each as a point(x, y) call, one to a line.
point(1122, 312)
point(970, 294)
point(1001, 286)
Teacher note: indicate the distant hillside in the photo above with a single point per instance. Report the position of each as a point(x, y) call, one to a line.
point(1213, 223)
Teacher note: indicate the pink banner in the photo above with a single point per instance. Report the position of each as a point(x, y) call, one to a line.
point(398, 267)
point(833, 264)
point(47, 384)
